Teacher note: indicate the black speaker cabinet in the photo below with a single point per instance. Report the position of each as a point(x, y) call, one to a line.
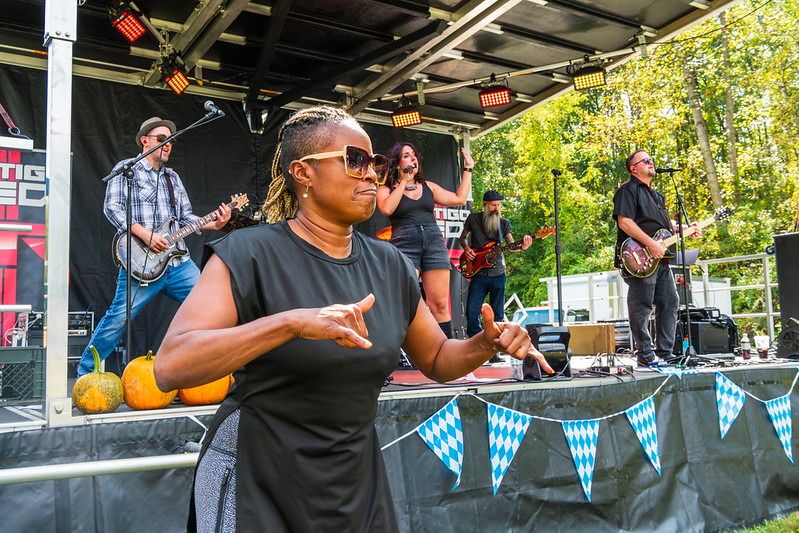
point(706, 337)
point(787, 249)
point(553, 342)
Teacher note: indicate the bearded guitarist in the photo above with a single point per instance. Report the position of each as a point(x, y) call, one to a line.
point(479, 229)
point(157, 194)
point(640, 212)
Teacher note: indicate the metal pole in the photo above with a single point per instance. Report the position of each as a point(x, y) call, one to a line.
point(96, 468)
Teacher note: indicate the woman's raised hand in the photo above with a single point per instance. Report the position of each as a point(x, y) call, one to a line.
point(505, 336)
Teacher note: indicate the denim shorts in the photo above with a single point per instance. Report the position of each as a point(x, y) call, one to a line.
point(423, 245)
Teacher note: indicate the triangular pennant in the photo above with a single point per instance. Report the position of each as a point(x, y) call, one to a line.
point(582, 436)
point(642, 418)
point(506, 429)
point(779, 409)
point(443, 434)
point(679, 372)
point(730, 400)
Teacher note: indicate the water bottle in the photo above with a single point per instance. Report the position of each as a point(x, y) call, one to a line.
point(746, 347)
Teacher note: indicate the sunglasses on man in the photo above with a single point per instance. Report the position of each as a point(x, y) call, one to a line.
point(646, 161)
point(161, 138)
point(357, 162)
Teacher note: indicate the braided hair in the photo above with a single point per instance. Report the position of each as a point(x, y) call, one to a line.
point(306, 132)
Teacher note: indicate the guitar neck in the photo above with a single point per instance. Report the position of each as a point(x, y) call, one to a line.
point(496, 251)
point(194, 226)
point(687, 232)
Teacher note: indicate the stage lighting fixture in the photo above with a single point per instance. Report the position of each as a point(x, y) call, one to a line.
point(406, 115)
point(176, 78)
point(125, 20)
point(588, 77)
point(494, 95)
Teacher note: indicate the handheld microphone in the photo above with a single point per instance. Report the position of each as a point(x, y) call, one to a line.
point(662, 170)
point(213, 109)
point(408, 168)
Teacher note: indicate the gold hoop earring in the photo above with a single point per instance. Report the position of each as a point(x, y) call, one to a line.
point(305, 194)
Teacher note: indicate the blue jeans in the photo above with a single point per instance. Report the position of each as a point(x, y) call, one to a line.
point(656, 290)
point(176, 283)
point(479, 287)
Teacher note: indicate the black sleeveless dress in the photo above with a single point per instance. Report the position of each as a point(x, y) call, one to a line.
point(308, 457)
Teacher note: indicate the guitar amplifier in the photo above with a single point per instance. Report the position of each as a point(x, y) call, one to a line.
point(80, 327)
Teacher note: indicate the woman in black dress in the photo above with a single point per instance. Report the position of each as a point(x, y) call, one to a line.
point(309, 315)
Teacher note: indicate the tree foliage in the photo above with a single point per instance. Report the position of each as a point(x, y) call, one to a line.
point(645, 104)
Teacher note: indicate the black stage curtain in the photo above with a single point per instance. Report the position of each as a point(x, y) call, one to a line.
point(214, 161)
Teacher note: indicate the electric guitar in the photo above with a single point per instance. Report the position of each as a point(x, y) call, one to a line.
point(483, 256)
point(635, 257)
point(147, 265)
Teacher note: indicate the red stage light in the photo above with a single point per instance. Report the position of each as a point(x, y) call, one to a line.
point(129, 26)
point(495, 95)
point(177, 80)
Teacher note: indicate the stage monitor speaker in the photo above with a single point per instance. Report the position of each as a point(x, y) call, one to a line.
point(787, 249)
point(706, 337)
point(553, 342)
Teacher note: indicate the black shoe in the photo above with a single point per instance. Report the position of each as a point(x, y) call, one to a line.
point(645, 360)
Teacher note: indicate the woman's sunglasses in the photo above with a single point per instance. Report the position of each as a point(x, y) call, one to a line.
point(357, 161)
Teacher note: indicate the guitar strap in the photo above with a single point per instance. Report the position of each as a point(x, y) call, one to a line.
point(665, 219)
point(171, 189)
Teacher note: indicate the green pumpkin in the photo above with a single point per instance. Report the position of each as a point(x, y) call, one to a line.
point(97, 392)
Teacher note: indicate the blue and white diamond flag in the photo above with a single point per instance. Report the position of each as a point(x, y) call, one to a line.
point(443, 434)
point(730, 400)
point(642, 418)
point(679, 372)
point(779, 409)
point(582, 436)
point(506, 429)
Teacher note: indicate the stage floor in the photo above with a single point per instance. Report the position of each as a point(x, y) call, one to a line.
point(410, 381)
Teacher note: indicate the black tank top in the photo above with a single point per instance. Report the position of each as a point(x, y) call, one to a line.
point(410, 212)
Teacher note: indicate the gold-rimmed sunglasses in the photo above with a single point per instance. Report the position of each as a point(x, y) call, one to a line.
point(357, 162)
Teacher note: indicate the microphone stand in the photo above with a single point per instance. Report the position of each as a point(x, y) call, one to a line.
point(556, 173)
point(689, 351)
point(127, 171)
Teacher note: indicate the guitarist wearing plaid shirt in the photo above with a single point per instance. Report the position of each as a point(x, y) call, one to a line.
point(157, 194)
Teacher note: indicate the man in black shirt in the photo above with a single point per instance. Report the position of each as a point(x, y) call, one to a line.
point(640, 212)
point(481, 228)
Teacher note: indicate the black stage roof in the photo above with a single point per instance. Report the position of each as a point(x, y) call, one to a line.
point(364, 54)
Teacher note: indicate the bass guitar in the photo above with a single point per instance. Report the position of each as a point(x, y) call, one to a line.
point(635, 257)
point(147, 265)
point(483, 256)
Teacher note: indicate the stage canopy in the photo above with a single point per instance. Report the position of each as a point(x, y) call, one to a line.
point(364, 54)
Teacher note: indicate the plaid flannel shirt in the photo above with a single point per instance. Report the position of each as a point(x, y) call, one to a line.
point(150, 204)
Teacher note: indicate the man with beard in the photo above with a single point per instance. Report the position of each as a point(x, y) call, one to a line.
point(481, 228)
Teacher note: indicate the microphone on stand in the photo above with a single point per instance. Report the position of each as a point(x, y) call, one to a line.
point(213, 109)
point(556, 172)
point(662, 170)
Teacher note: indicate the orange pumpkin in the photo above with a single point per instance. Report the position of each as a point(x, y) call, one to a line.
point(209, 393)
point(141, 392)
point(97, 392)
